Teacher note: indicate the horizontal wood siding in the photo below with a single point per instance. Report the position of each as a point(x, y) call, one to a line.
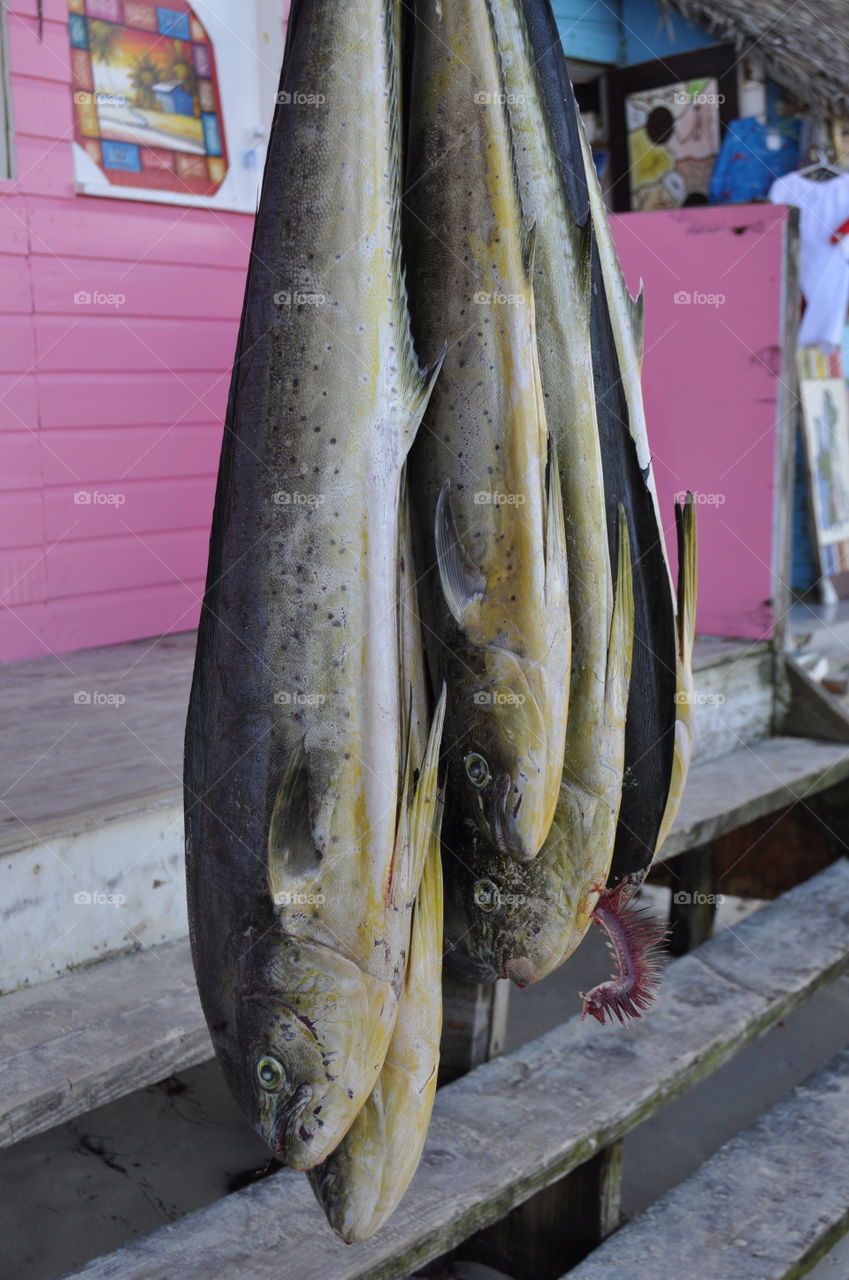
point(590, 30)
point(110, 407)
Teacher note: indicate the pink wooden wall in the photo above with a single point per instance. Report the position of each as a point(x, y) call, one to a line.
point(712, 379)
point(119, 400)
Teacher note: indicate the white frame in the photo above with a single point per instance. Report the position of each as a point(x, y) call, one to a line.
point(247, 79)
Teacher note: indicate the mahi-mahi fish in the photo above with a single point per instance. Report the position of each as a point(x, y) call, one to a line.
point(484, 475)
point(303, 861)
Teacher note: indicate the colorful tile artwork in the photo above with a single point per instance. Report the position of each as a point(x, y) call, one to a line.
point(146, 100)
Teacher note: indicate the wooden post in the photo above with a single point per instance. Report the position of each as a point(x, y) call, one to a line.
point(556, 1228)
point(693, 906)
point(474, 1025)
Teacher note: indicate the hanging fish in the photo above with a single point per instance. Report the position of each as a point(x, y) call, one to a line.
point(484, 472)
point(305, 834)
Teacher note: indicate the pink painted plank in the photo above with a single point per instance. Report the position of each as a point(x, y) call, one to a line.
point(17, 344)
point(51, 10)
point(22, 460)
point(112, 564)
point(113, 617)
point(146, 289)
point(23, 631)
point(114, 399)
point(48, 59)
point(14, 239)
point(43, 109)
point(23, 577)
point(711, 381)
point(21, 519)
point(44, 168)
point(132, 453)
point(144, 506)
point(88, 228)
point(100, 343)
point(18, 402)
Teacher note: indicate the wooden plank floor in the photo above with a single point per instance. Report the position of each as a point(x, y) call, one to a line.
point(68, 764)
point(520, 1122)
point(769, 1204)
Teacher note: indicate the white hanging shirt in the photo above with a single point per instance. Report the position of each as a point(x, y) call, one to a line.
point(823, 267)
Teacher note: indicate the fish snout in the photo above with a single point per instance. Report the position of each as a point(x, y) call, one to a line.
point(520, 970)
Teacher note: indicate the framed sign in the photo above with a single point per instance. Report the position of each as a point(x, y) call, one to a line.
point(825, 414)
point(666, 122)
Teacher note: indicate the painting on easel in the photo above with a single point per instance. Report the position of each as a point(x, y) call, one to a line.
point(825, 412)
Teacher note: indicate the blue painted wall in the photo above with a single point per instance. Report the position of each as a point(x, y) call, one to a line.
point(621, 32)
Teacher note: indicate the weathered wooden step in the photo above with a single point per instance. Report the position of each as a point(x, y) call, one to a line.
point(768, 1205)
point(85, 1039)
point(520, 1122)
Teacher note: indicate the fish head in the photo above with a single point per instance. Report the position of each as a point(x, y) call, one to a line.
point(312, 1031)
point(501, 761)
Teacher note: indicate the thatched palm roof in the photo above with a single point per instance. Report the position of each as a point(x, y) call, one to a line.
point(804, 44)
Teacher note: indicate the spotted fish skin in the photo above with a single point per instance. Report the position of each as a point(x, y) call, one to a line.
point(306, 698)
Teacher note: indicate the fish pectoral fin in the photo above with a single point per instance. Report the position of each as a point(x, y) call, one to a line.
point(556, 556)
point(462, 584)
point(292, 856)
point(620, 646)
point(688, 544)
point(420, 816)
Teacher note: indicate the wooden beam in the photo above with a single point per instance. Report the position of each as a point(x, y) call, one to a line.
point(806, 710)
point(474, 1025)
point(693, 903)
point(770, 1203)
point(525, 1120)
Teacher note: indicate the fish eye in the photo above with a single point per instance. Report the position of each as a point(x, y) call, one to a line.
point(271, 1075)
point(477, 770)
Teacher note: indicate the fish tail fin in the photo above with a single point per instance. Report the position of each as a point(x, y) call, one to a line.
point(620, 647)
point(420, 814)
point(556, 556)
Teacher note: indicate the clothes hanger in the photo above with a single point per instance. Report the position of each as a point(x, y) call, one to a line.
point(822, 170)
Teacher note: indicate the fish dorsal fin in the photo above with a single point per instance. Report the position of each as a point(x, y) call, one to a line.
point(685, 522)
point(419, 814)
point(292, 856)
point(556, 558)
point(462, 585)
point(620, 647)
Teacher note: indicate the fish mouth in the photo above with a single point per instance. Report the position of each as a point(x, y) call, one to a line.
point(503, 831)
point(520, 971)
point(283, 1135)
